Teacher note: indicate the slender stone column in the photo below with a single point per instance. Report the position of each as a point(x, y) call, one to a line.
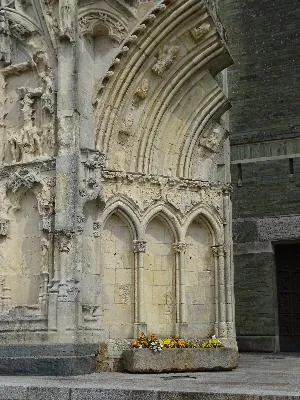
point(139, 249)
point(228, 264)
point(219, 253)
point(179, 249)
point(216, 296)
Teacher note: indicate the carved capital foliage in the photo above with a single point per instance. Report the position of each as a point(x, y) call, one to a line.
point(179, 247)
point(139, 246)
point(219, 251)
point(96, 229)
point(93, 159)
point(80, 223)
point(64, 241)
point(23, 177)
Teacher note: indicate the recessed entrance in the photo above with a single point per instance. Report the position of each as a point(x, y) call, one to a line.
point(288, 284)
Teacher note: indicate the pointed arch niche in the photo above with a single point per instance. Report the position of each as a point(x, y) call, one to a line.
point(159, 278)
point(118, 275)
point(22, 262)
point(199, 279)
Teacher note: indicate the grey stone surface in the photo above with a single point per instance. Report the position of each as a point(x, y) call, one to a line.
point(258, 377)
point(178, 360)
point(264, 132)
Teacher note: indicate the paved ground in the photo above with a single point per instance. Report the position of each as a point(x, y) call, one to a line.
point(259, 376)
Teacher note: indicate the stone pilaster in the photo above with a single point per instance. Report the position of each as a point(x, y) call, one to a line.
point(67, 171)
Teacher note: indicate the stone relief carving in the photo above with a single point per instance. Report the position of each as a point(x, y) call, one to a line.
point(124, 294)
point(219, 250)
point(23, 177)
point(199, 31)
point(5, 43)
point(117, 29)
point(179, 247)
point(92, 162)
point(90, 312)
point(212, 139)
point(96, 229)
point(3, 227)
point(45, 244)
point(66, 18)
point(166, 57)
point(127, 124)
point(139, 246)
point(47, 79)
point(142, 91)
point(145, 190)
point(80, 223)
point(64, 241)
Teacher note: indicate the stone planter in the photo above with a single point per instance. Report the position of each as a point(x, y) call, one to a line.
point(180, 360)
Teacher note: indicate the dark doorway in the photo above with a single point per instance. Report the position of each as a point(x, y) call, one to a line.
point(288, 285)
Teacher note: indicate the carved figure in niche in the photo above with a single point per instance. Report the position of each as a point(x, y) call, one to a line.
point(5, 43)
point(45, 254)
point(212, 139)
point(142, 91)
point(16, 143)
point(127, 124)
point(166, 57)
point(66, 13)
point(45, 73)
point(31, 141)
point(200, 31)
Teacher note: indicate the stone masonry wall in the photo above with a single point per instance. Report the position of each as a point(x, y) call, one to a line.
point(265, 155)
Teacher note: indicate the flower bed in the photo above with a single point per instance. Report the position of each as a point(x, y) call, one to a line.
point(153, 355)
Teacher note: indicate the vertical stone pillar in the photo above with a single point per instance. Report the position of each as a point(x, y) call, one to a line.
point(67, 174)
point(219, 253)
point(139, 249)
point(229, 278)
point(179, 249)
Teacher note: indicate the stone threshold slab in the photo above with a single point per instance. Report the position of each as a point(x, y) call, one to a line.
point(64, 393)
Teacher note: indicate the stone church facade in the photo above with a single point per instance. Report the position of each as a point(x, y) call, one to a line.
point(115, 211)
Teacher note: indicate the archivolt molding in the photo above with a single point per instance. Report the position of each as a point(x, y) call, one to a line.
point(135, 98)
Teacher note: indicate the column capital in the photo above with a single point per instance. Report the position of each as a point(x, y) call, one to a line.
point(219, 250)
point(64, 241)
point(139, 246)
point(179, 247)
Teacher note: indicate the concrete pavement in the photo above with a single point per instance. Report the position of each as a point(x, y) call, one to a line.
point(259, 376)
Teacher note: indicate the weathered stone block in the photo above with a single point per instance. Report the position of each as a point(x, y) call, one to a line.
point(179, 360)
